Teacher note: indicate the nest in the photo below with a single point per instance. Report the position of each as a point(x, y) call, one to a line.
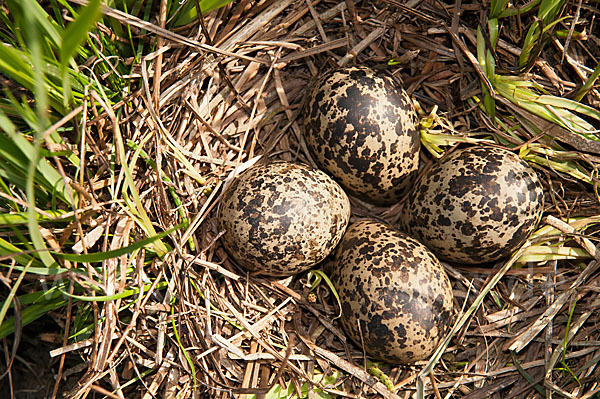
point(217, 97)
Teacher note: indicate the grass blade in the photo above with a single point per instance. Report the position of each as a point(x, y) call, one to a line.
point(589, 83)
point(31, 314)
point(436, 356)
point(72, 38)
point(100, 256)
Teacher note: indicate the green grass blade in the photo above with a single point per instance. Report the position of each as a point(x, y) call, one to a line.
point(554, 109)
point(30, 314)
point(486, 61)
point(547, 13)
point(34, 39)
point(570, 105)
point(135, 208)
point(16, 152)
point(13, 63)
point(40, 296)
point(181, 210)
point(187, 13)
point(533, 34)
point(72, 38)
point(493, 29)
point(561, 161)
point(543, 253)
point(526, 8)
point(564, 351)
point(41, 271)
point(20, 218)
point(29, 14)
point(529, 378)
point(589, 83)
point(100, 256)
point(77, 31)
point(549, 10)
point(496, 8)
point(322, 276)
point(464, 317)
point(9, 250)
point(9, 300)
point(182, 348)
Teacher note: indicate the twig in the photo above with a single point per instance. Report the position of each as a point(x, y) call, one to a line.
point(521, 340)
point(351, 369)
point(174, 37)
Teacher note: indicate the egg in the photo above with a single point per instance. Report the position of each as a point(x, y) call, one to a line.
point(361, 128)
point(396, 297)
point(476, 205)
point(282, 218)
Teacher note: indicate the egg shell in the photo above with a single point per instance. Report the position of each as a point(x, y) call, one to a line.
point(395, 288)
point(476, 205)
point(362, 129)
point(282, 218)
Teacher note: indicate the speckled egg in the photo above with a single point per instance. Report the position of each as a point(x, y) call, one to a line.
point(362, 129)
point(395, 289)
point(476, 205)
point(282, 218)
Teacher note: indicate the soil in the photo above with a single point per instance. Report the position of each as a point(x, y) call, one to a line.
point(33, 371)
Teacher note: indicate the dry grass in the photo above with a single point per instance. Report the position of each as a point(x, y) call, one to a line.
point(208, 106)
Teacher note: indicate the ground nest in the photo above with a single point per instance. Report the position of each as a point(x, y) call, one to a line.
point(218, 97)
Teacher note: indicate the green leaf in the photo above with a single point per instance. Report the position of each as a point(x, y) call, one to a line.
point(9, 250)
point(187, 13)
point(72, 38)
point(13, 63)
point(30, 314)
point(542, 253)
point(9, 300)
point(529, 378)
point(549, 9)
point(100, 256)
point(320, 275)
point(486, 60)
point(554, 109)
point(570, 105)
point(29, 12)
point(275, 393)
point(496, 7)
point(41, 296)
point(589, 83)
point(463, 318)
point(525, 8)
point(15, 155)
point(493, 29)
point(182, 348)
point(20, 218)
point(561, 161)
point(77, 31)
point(481, 49)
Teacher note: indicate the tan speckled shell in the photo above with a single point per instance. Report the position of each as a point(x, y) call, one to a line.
point(361, 129)
point(476, 205)
point(282, 218)
point(395, 288)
